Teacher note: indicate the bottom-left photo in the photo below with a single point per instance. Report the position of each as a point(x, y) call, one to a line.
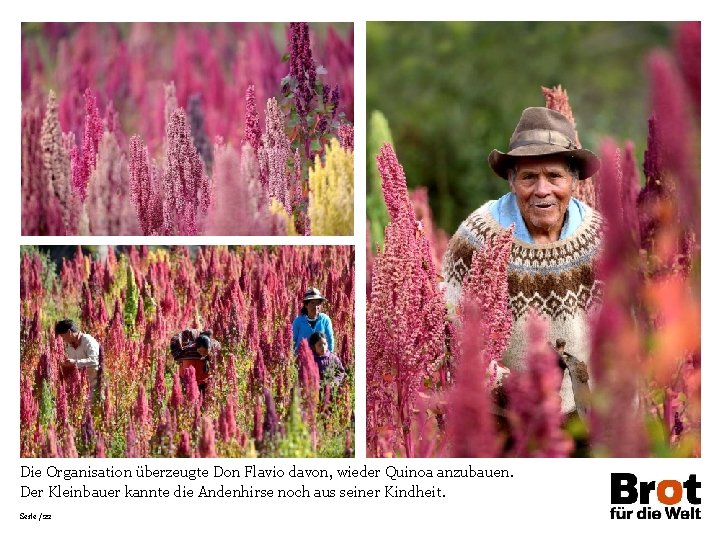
point(187, 351)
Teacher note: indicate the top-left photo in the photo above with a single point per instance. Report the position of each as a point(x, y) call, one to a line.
point(186, 129)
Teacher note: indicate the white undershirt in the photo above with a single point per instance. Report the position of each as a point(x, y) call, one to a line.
point(86, 356)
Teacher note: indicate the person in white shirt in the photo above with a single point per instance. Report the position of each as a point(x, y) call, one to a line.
point(82, 350)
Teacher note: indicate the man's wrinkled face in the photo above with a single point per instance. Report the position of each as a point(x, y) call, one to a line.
point(543, 187)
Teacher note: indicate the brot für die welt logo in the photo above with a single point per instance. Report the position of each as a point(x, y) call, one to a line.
point(681, 499)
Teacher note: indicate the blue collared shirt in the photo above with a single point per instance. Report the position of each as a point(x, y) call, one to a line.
point(506, 212)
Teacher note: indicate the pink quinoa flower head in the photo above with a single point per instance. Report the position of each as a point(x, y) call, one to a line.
point(437, 238)
point(41, 212)
point(176, 395)
point(676, 135)
point(345, 351)
point(616, 427)
point(485, 325)
point(165, 430)
point(241, 205)
point(74, 384)
point(28, 404)
point(223, 430)
point(108, 202)
point(610, 182)
point(394, 186)
point(346, 136)
point(230, 418)
point(145, 188)
point(274, 155)
point(252, 119)
point(46, 370)
point(206, 445)
point(184, 447)
point(302, 67)
point(159, 390)
point(141, 410)
point(687, 51)
point(556, 98)
point(338, 57)
point(31, 159)
point(192, 392)
point(406, 316)
point(185, 184)
point(56, 171)
point(533, 400)
point(260, 372)
point(86, 314)
point(335, 100)
point(309, 376)
point(470, 421)
point(83, 159)
point(625, 225)
point(486, 285)
point(231, 373)
point(140, 315)
point(652, 163)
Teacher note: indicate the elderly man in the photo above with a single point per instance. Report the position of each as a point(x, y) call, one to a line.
point(82, 350)
point(556, 240)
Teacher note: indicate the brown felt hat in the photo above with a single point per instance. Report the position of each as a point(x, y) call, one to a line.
point(544, 132)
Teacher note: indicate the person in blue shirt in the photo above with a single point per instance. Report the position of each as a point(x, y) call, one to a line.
point(311, 320)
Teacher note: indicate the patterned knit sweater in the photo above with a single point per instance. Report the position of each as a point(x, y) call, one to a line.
point(556, 279)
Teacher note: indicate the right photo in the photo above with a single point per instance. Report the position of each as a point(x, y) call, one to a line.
point(533, 239)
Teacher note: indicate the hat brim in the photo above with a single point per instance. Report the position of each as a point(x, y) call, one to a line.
point(587, 162)
point(314, 298)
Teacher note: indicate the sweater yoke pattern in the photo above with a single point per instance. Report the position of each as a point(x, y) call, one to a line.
point(555, 279)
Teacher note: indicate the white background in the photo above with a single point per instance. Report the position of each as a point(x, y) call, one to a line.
point(545, 498)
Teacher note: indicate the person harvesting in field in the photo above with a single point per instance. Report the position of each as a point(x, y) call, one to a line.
point(311, 320)
point(82, 350)
point(556, 239)
point(196, 349)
